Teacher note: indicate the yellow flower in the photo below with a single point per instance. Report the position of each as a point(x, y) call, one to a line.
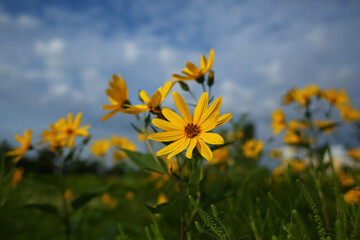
point(354, 153)
point(278, 172)
point(289, 97)
point(108, 200)
point(71, 128)
point(118, 155)
point(235, 135)
point(294, 125)
point(141, 137)
point(25, 144)
point(161, 199)
point(278, 121)
point(327, 126)
point(53, 136)
point(220, 156)
point(252, 148)
point(336, 98)
point(129, 195)
point(118, 97)
point(17, 176)
point(68, 194)
point(297, 165)
point(303, 96)
point(190, 131)
point(152, 104)
point(275, 153)
point(100, 147)
point(352, 196)
point(122, 142)
point(349, 114)
point(192, 72)
point(346, 179)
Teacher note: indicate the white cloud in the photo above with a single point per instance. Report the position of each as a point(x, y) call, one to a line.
point(272, 72)
point(131, 52)
point(27, 21)
point(52, 47)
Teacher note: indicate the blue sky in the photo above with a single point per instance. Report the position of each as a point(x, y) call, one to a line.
point(57, 56)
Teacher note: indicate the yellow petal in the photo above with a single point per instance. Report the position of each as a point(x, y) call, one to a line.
point(213, 109)
point(171, 147)
point(210, 123)
point(200, 108)
point(110, 114)
point(166, 136)
point(156, 99)
point(182, 106)
point(224, 119)
point(191, 147)
point(211, 61)
point(109, 107)
point(194, 69)
point(164, 125)
point(78, 120)
point(174, 118)
point(144, 96)
point(166, 89)
point(182, 78)
point(70, 118)
point(212, 138)
point(180, 148)
point(204, 150)
point(203, 62)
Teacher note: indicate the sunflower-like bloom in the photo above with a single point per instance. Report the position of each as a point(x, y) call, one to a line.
point(252, 148)
point(192, 72)
point(70, 128)
point(278, 121)
point(190, 131)
point(354, 153)
point(53, 136)
point(289, 97)
point(17, 176)
point(25, 144)
point(327, 126)
point(349, 114)
point(352, 196)
point(303, 96)
point(152, 104)
point(118, 97)
point(337, 98)
point(100, 147)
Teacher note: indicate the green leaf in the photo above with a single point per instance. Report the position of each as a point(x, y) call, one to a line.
point(147, 120)
point(47, 208)
point(177, 206)
point(136, 128)
point(145, 161)
point(87, 197)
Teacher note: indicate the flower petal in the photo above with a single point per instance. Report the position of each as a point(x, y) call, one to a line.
point(212, 138)
point(110, 114)
point(204, 150)
point(210, 123)
point(224, 119)
point(213, 109)
point(164, 125)
point(182, 78)
point(166, 89)
point(203, 62)
point(78, 120)
point(200, 108)
point(211, 61)
point(144, 97)
point(174, 118)
point(191, 147)
point(166, 136)
point(182, 106)
point(180, 148)
point(171, 147)
point(156, 99)
point(192, 67)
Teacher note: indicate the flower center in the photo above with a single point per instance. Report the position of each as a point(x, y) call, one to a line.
point(192, 130)
point(70, 131)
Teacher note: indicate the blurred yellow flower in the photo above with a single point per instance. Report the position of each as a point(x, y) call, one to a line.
point(352, 196)
point(297, 165)
point(17, 176)
point(278, 121)
point(278, 172)
point(354, 153)
point(108, 200)
point(337, 98)
point(130, 195)
point(118, 97)
point(152, 104)
point(161, 199)
point(235, 135)
point(192, 72)
point(100, 147)
point(303, 96)
point(53, 136)
point(190, 131)
point(220, 156)
point(141, 137)
point(68, 194)
point(289, 97)
point(118, 155)
point(291, 137)
point(276, 153)
point(349, 114)
point(69, 128)
point(346, 179)
point(25, 144)
point(327, 126)
point(294, 125)
point(122, 142)
point(252, 148)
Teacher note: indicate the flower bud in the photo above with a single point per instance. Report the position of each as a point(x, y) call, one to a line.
point(210, 80)
point(184, 86)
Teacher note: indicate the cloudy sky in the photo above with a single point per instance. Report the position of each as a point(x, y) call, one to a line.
point(57, 56)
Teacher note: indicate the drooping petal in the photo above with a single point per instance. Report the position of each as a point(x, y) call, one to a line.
point(224, 119)
point(164, 125)
point(200, 108)
point(192, 67)
point(171, 147)
point(191, 147)
point(109, 107)
point(182, 78)
point(204, 149)
point(212, 138)
point(156, 99)
point(110, 114)
point(213, 109)
point(144, 96)
point(180, 148)
point(166, 136)
point(174, 118)
point(166, 89)
point(182, 106)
